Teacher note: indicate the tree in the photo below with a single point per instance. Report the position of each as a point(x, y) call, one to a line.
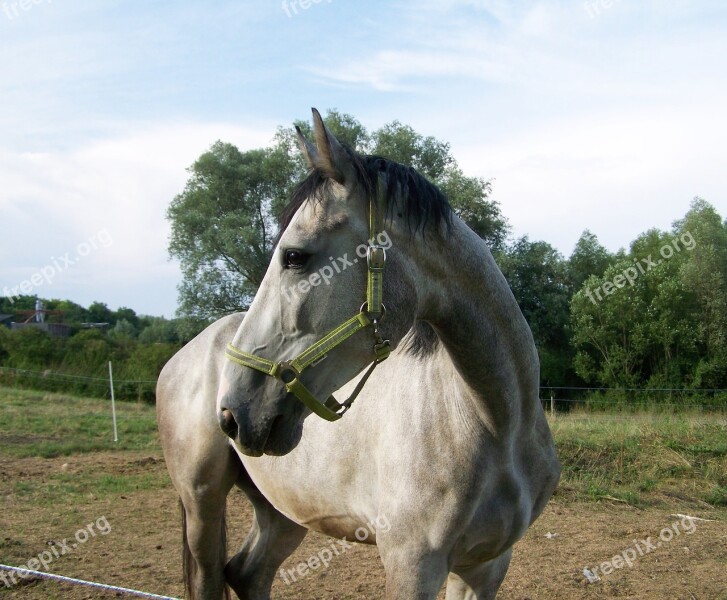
point(33, 349)
point(705, 275)
point(224, 225)
point(657, 317)
point(402, 144)
point(224, 222)
point(123, 330)
point(609, 330)
point(589, 257)
point(159, 330)
point(128, 315)
point(87, 353)
point(98, 312)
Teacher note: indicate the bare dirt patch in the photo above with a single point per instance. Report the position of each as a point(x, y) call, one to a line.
point(142, 551)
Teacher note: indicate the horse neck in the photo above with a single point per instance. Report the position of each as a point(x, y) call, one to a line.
point(465, 298)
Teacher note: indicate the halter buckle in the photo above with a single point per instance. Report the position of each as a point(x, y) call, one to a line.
point(286, 372)
point(376, 258)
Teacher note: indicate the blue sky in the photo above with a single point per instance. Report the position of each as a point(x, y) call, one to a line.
point(604, 114)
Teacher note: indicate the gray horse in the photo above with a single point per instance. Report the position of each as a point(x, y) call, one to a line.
point(446, 457)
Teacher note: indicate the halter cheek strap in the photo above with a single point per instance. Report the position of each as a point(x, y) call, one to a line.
point(370, 314)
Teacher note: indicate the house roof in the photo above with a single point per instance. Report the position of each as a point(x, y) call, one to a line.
point(5, 317)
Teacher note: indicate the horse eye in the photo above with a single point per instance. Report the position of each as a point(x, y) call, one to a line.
point(295, 259)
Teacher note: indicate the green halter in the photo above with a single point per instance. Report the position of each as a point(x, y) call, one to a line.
point(370, 314)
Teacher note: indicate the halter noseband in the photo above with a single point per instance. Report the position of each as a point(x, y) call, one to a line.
point(370, 314)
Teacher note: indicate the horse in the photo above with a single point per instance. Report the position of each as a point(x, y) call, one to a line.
point(445, 459)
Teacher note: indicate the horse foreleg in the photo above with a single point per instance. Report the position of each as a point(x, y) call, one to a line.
point(478, 582)
point(273, 537)
point(413, 573)
point(205, 548)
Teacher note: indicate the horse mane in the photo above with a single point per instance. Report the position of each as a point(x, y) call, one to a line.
point(423, 204)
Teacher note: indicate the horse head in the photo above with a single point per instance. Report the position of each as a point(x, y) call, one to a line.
point(340, 293)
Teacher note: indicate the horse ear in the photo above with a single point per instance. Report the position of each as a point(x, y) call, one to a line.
point(307, 149)
point(332, 158)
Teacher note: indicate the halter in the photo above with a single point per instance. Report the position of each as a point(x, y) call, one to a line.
point(370, 314)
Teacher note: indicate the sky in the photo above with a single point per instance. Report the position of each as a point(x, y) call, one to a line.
point(607, 115)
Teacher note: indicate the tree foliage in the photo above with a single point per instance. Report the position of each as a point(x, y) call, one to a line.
point(138, 346)
point(224, 224)
point(657, 316)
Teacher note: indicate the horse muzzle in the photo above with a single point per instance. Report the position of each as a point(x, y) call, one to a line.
point(276, 435)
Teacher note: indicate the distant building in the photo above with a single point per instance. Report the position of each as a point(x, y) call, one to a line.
point(5, 320)
point(56, 329)
point(36, 319)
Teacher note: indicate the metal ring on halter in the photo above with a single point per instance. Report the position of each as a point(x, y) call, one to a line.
point(383, 310)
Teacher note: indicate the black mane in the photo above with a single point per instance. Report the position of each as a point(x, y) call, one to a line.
point(424, 206)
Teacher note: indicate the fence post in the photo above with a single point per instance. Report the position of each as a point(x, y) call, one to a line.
point(113, 402)
point(552, 404)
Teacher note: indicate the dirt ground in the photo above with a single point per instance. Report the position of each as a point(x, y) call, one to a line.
point(142, 550)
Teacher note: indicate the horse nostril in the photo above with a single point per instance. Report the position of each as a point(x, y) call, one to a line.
point(228, 423)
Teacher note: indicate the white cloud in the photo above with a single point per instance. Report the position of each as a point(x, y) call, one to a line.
point(122, 185)
point(616, 174)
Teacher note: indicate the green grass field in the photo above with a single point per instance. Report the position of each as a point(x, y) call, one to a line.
point(639, 459)
point(643, 458)
point(46, 424)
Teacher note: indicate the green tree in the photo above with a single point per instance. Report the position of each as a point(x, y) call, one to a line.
point(98, 312)
point(33, 349)
point(4, 344)
point(224, 225)
point(123, 330)
point(589, 257)
point(128, 315)
point(159, 330)
point(705, 276)
point(609, 331)
point(657, 316)
point(87, 353)
point(72, 313)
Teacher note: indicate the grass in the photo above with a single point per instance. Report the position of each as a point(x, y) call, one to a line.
point(638, 459)
point(47, 425)
point(643, 458)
